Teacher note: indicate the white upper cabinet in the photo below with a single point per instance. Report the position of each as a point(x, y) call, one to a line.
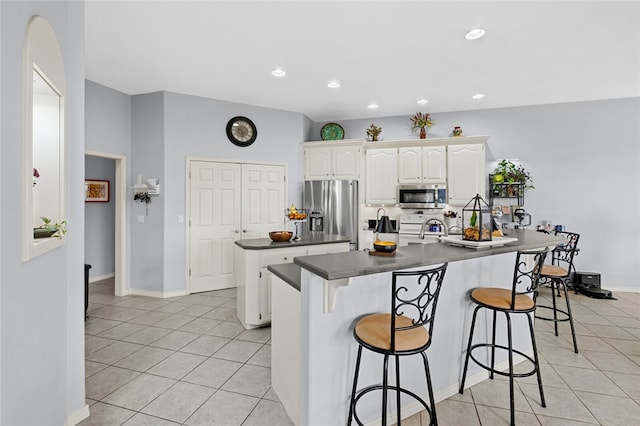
point(434, 164)
point(341, 161)
point(382, 176)
point(466, 172)
point(426, 164)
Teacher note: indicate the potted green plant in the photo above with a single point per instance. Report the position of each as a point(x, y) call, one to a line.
point(373, 131)
point(510, 173)
point(420, 122)
point(49, 229)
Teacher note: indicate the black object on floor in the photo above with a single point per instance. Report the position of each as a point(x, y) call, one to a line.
point(588, 283)
point(86, 289)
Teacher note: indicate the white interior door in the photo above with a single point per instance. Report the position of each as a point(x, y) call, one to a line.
point(263, 200)
point(215, 204)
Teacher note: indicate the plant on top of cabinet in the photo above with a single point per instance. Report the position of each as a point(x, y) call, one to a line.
point(373, 131)
point(508, 173)
point(420, 122)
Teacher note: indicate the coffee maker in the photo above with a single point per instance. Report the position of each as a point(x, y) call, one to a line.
point(524, 218)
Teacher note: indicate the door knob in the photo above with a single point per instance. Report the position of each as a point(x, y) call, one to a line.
point(237, 231)
point(245, 230)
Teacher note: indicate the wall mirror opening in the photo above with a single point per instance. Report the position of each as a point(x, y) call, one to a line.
point(43, 166)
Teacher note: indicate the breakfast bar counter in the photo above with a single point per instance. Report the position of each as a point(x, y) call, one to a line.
point(314, 310)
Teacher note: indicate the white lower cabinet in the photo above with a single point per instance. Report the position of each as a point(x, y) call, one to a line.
point(254, 279)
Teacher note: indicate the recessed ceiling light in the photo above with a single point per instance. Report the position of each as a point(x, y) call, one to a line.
point(333, 84)
point(278, 72)
point(478, 96)
point(372, 105)
point(423, 101)
point(475, 34)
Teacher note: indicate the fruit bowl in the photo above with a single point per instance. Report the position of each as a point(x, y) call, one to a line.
point(296, 214)
point(280, 236)
point(385, 246)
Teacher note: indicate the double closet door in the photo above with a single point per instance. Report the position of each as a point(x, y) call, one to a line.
point(228, 202)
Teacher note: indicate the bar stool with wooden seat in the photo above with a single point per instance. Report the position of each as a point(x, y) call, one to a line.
point(409, 331)
point(517, 300)
point(558, 275)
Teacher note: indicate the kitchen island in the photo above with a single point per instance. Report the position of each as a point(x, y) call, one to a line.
point(313, 350)
point(253, 256)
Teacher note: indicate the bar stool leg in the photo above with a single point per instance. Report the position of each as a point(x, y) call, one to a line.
point(535, 358)
point(434, 419)
point(398, 390)
point(511, 392)
point(493, 347)
point(466, 358)
point(355, 384)
point(553, 298)
point(385, 386)
point(573, 331)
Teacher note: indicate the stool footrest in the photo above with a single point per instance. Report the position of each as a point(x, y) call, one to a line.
point(502, 373)
point(379, 387)
point(557, 311)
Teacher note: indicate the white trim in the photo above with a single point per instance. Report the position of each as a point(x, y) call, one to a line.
point(121, 285)
point(101, 277)
point(158, 294)
point(77, 416)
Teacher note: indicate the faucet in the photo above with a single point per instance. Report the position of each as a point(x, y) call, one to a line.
point(426, 221)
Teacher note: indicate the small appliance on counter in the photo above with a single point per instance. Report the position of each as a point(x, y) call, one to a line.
point(524, 218)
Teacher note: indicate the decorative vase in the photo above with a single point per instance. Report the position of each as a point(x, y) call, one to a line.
point(423, 133)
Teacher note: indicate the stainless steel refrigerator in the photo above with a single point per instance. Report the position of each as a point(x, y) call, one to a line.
point(333, 208)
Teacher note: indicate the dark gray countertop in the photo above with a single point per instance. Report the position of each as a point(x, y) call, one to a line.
point(355, 263)
point(307, 240)
point(288, 272)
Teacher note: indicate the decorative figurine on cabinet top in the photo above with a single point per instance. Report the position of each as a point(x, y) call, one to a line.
point(457, 131)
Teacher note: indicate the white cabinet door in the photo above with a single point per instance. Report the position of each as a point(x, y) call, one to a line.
point(434, 164)
point(229, 201)
point(382, 176)
point(263, 199)
point(466, 173)
point(410, 165)
point(317, 163)
point(215, 224)
point(345, 162)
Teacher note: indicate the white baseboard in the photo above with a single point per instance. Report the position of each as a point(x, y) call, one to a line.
point(101, 277)
point(77, 416)
point(158, 294)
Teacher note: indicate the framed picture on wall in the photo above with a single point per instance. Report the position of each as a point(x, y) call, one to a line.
point(96, 191)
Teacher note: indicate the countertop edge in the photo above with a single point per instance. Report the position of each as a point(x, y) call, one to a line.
point(357, 263)
point(288, 272)
point(267, 244)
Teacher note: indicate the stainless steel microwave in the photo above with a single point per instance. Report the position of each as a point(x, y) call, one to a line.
point(425, 196)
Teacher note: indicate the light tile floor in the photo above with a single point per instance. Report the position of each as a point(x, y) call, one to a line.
point(188, 361)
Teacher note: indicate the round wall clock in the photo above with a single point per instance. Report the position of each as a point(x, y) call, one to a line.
point(241, 131)
point(332, 132)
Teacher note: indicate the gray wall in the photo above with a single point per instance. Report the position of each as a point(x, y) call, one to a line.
point(107, 119)
point(99, 220)
point(41, 301)
point(195, 127)
point(584, 160)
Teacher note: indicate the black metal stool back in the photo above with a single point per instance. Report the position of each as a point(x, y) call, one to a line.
point(558, 275)
point(406, 330)
point(563, 254)
point(417, 302)
point(526, 274)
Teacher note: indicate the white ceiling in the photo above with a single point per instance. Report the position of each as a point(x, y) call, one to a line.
point(388, 52)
